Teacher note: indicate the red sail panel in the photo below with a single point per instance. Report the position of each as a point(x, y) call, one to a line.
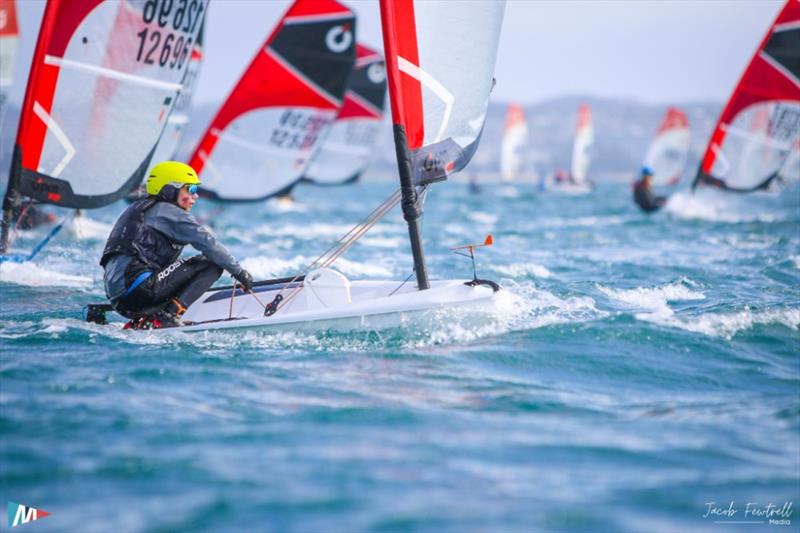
point(277, 114)
point(8, 18)
point(674, 119)
point(773, 75)
point(400, 44)
point(440, 60)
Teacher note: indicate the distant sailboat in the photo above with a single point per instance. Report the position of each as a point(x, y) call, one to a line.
point(582, 147)
point(761, 122)
point(514, 144)
point(350, 145)
point(260, 142)
point(9, 35)
point(103, 80)
point(669, 150)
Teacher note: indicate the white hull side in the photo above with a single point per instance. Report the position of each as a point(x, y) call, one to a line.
point(372, 306)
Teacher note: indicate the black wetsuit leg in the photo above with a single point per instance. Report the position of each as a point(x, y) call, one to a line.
point(185, 279)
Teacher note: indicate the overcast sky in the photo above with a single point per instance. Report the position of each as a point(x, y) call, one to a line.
point(652, 51)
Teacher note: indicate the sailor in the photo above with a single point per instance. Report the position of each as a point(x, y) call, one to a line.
point(145, 278)
point(643, 193)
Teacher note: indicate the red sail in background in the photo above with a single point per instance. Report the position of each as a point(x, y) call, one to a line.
point(262, 138)
point(771, 79)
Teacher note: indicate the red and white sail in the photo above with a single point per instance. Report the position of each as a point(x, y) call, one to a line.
point(9, 36)
point(582, 146)
point(767, 94)
point(440, 60)
point(103, 80)
point(262, 138)
point(179, 118)
point(350, 144)
point(514, 144)
point(669, 151)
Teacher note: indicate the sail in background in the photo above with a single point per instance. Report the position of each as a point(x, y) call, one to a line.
point(582, 146)
point(761, 122)
point(9, 35)
point(669, 150)
point(440, 60)
point(102, 83)
point(515, 141)
point(260, 141)
point(176, 122)
point(350, 145)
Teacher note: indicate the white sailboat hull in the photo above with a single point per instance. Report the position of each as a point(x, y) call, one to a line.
point(340, 306)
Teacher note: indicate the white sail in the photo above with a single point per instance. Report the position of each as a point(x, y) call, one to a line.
point(350, 145)
point(669, 150)
point(582, 147)
point(179, 118)
point(515, 141)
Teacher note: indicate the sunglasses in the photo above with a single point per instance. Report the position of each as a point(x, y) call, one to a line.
point(191, 189)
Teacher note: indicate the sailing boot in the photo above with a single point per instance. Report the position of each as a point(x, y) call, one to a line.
point(170, 316)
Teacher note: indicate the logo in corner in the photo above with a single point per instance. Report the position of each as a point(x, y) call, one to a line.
point(19, 514)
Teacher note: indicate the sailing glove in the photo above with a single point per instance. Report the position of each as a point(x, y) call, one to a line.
point(245, 279)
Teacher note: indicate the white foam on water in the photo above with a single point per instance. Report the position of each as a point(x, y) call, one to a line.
point(355, 268)
point(529, 307)
point(483, 218)
point(85, 228)
point(273, 267)
point(270, 267)
point(306, 231)
point(727, 325)
point(508, 191)
point(521, 270)
point(796, 261)
point(381, 242)
point(29, 274)
point(587, 221)
point(653, 302)
point(721, 206)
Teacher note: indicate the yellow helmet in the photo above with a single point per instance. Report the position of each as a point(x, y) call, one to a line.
point(170, 173)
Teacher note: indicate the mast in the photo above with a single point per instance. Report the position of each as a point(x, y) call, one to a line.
point(411, 212)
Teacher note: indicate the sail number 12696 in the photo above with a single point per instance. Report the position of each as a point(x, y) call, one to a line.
point(161, 45)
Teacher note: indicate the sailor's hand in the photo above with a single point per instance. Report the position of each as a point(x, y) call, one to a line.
point(245, 279)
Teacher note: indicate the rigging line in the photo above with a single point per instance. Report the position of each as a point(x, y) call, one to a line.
point(362, 229)
point(233, 295)
point(341, 239)
point(345, 242)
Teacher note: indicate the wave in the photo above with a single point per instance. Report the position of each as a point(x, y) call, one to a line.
point(653, 301)
point(28, 273)
point(535, 308)
point(520, 270)
point(722, 206)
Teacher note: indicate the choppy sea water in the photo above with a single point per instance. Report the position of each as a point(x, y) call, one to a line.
point(644, 371)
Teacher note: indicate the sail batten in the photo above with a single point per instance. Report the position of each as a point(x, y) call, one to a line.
point(761, 122)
